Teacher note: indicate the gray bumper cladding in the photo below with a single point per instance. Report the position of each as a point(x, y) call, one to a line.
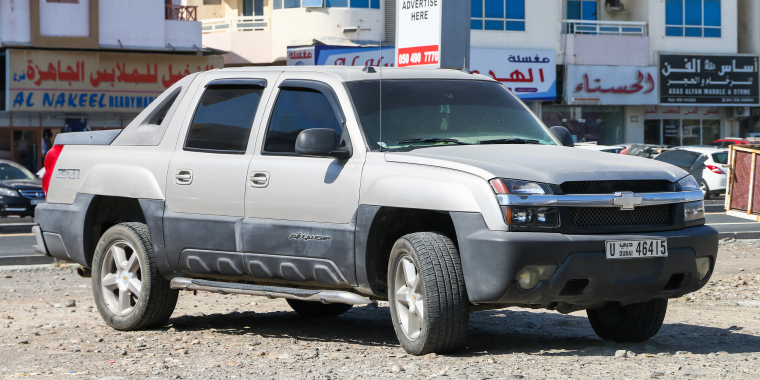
point(40, 246)
point(324, 296)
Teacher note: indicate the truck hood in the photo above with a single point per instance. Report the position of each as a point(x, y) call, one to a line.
point(541, 163)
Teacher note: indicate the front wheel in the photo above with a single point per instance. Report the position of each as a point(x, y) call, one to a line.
point(129, 291)
point(635, 322)
point(427, 295)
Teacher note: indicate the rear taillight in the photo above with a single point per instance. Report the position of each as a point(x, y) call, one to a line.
point(715, 169)
point(50, 160)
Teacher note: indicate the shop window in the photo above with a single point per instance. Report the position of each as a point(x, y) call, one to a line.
point(691, 132)
point(652, 132)
point(212, 2)
point(506, 15)
point(692, 18)
point(710, 131)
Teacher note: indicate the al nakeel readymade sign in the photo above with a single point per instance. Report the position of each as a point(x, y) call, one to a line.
point(614, 85)
point(708, 79)
point(530, 74)
point(418, 32)
point(46, 80)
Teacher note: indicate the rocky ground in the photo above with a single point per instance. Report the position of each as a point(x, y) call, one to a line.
point(49, 327)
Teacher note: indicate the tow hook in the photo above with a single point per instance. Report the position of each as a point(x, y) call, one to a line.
point(84, 272)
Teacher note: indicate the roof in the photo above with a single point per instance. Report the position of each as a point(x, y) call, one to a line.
point(354, 73)
point(702, 149)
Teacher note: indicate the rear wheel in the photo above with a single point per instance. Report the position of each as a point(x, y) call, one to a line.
point(427, 294)
point(318, 309)
point(705, 189)
point(129, 291)
point(635, 322)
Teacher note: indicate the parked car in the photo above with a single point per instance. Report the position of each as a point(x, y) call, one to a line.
point(20, 190)
point(726, 142)
point(286, 182)
point(602, 148)
point(715, 173)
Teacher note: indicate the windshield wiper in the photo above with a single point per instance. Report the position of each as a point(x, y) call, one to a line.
point(509, 141)
point(432, 140)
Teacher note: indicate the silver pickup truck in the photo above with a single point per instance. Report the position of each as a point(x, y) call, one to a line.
point(436, 190)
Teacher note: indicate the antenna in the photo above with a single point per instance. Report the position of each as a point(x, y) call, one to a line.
point(381, 90)
point(464, 66)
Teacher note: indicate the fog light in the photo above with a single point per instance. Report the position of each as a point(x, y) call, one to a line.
point(703, 267)
point(529, 276)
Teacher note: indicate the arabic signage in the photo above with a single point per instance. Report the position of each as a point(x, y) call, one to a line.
point(301, 56)
point(418, 32)
point(76, 81)
point(708, 79)
point(681, 112)
point(325, 55)
point(530, 74)
point(612, 85)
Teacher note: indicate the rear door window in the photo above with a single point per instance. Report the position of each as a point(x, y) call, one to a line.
point(720, 158)
point(223, 120)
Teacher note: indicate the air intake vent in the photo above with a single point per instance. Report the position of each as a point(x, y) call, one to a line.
point(609, 187)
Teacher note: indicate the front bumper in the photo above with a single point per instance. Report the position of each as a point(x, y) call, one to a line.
point(491, 260)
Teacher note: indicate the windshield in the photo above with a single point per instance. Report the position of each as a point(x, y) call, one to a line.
point(8, 171)
point(720, 158)
point(443, 112)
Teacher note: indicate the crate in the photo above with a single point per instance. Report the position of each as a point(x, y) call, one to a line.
point(743, 183)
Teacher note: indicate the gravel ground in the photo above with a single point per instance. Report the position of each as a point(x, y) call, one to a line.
point(49, 327)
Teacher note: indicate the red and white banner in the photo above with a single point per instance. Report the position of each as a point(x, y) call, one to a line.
point(420, 55)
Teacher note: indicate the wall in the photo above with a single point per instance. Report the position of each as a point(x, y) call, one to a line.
point(658, 42)
point(749, 26)
point(183, 33)
point(244, 47)
point(634, 131)
point(543, 30)
point(14, 22)
point(298, 26)
point(583, 49)
point(64, 19)
point(137, 23)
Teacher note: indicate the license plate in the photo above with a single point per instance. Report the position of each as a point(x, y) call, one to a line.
point(633, 249)
point(37, 201)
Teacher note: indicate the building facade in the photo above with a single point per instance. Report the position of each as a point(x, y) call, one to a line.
point(73, 65)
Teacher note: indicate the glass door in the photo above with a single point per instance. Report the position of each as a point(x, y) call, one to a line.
point(26, 148)
point(710, 131)
point(691, 132)
point(652, 132)
point(671, 132)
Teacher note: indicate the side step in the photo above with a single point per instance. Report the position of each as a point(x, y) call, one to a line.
point(324, 296)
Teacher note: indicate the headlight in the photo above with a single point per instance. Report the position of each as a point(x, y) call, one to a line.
point(515, 187)
point(688, 183)
point(693, 211)
point(531, 216)
point(9, 192)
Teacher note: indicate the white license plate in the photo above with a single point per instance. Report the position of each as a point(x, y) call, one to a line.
point(37, 201)
point(633, 249)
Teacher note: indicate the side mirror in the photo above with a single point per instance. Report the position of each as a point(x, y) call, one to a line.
point(563, 135)
point(322, 142)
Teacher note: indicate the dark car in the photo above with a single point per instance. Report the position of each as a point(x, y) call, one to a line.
point(20, 190)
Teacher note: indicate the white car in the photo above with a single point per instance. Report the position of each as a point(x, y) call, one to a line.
point(602, 148)
point(715, 174)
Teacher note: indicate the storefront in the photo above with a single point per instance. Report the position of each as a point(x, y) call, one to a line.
point(597, 97)
point(676, 126)
point(50, 92)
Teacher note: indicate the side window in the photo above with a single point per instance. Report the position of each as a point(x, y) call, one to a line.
point(297, 110)
point(223, 120)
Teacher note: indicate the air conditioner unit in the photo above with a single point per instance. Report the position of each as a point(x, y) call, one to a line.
point(615, 6)
point(740, 112)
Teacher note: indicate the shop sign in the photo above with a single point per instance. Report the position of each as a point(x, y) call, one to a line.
point(611, 85)
point(418, 32)
point(301, 56)
point(530, 74)
point(77, 81)
point(708, 79)
point(681, 112)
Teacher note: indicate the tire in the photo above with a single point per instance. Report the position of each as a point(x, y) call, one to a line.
point(705, 189)
point(636, 322)
point(129, 243)
point(314, 309)
point(425, 268)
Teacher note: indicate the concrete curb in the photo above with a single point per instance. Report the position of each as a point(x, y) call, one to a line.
point(25, 260)
point(16, 228)
point(739, 235)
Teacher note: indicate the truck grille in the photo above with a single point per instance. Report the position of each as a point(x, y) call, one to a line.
point(32, 194)
point(614, 217)
point(608, 187)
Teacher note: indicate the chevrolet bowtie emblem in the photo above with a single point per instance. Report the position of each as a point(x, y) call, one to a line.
point(626, 200)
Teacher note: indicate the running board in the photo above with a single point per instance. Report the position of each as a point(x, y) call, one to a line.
point(324, 296)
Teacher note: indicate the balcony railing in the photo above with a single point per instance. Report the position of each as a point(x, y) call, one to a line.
point(182, 12)
point(236, 24)
point(621, 28)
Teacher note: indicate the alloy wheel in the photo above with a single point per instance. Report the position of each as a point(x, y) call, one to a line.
point(410, 301)
point(121, 277)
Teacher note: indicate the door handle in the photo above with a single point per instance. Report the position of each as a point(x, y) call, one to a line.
point(259, 179)
point(183, 177)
